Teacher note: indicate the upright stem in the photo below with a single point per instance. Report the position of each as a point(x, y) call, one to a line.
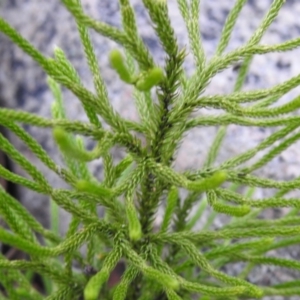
point(152, 187)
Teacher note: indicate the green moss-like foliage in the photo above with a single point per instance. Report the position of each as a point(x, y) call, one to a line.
point(172, 260)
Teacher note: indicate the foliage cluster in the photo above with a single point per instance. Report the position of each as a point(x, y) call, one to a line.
point(174, 261)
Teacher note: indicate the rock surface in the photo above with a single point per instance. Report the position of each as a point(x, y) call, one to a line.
point(48, 23)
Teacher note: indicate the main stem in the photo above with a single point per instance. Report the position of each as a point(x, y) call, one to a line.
point(152, 187)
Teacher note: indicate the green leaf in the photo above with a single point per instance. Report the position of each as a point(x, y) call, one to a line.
point(135, 230)
point(122, 288)
point(150, 79)
point(208, 183)
point(15, 155)
point(94, 285)
point(94, 188)
point(118, 63)
point(172, 201)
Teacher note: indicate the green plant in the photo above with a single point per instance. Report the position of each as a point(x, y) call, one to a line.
point(175, 261)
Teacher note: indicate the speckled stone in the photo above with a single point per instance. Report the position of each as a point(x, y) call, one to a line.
point(48, 23)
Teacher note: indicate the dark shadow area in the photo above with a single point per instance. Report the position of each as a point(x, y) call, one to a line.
point(12, 189)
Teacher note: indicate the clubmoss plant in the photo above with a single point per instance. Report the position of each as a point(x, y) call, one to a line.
point(175, 261)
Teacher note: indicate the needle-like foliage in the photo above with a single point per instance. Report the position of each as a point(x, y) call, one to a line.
point(170, 260)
